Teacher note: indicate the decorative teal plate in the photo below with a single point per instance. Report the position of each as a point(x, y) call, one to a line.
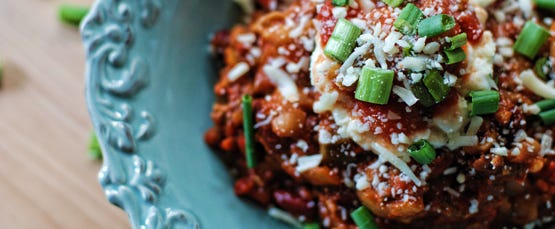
point(149, 92)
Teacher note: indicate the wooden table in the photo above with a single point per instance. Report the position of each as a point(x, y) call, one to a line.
point(46, 177)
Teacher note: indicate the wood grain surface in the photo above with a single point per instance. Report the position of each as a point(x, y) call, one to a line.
point(46, 177)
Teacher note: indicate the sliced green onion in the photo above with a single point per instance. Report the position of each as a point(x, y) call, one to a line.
point(72, 14)
point(374, 85)
point(455, 56)
point(363, 218)
point(95, 152)
point(346, 31)
point(248, 130)
point(545, 4)
point(311, 226)
point(542, 67)
point(436, 86)
point(531, 39)
point(422, 94)
point(393, 3)
point(407, 50)
point(548, 117)
point(337, 50)
point(422, 152)
point(342, 40)
point(546, 104)
point(457, 41)
point(408, 19)
point(435, 25)
point(484, 102)
point(340, 2)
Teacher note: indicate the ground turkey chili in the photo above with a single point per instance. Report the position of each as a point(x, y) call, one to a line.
point(391, 114)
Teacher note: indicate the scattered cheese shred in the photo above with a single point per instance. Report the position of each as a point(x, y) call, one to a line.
point(405, 94)
point(284, 83)
point(305, 163)
point(474, 126)
point(396, 161)
point(237, 71)
point(534, 84)
point(460, 141)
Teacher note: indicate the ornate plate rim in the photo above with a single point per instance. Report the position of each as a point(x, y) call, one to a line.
point(130, 181)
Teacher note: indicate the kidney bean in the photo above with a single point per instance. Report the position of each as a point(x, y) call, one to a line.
point(291, 202)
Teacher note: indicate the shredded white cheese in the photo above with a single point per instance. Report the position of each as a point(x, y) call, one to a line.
point(284, 83)
point(405, 94)
point(396, 161)
point(460, 141)
point(534, 84)
point(237, 71)
point(305, 163)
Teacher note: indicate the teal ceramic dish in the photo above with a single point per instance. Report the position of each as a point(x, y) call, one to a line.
point(149, 92)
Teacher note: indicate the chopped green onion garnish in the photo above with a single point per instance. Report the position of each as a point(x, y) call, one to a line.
point(408, 19)
point(95, 152)
point(531, 39)
point(346, 31)
point(311, 226)
point(393, 3)
point(546, 104)
point(484, 102)
point(455, 56)
point(422, 94)
point(436, 86)
point(340, 2)
point(72, 14)
point(548, 117)
point(363, 218)
point(374, 85)
point(342, 40)
point(337, 49)
point(406, 51)
point(435, 25)
point(248, 129)
point(545, 4)
point(422, 152)
point(457, 41)
point(542, 67)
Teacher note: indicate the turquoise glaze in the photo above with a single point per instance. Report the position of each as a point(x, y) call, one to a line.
point(149, 92)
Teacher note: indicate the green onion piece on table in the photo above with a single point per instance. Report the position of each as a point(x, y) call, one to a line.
point(72, 14)
point(422, 152)
point(545, 4)
point(363, 218)
point(408, 19)
point(436, 86)
point(484, 102)
point(455, 56)
point(393, 3)
point(95, 152)
point(542, 67)
point(311, 226)
point(435, 25)
point(340, 2)
point(421, 92)
point(531, 39)
point(457, 41)
point(248, 130)
point(548, 117)
point(374, 85)
point(342, 40)
point(546, 104)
